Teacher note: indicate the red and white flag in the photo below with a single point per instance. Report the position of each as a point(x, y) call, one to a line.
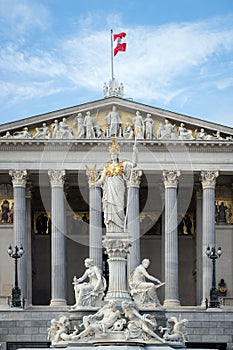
point(118, 44)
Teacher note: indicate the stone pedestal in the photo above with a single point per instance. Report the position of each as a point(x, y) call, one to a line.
point(117, 248)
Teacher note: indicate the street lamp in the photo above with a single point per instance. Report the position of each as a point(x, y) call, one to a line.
point(214, 255)
point(16, 292)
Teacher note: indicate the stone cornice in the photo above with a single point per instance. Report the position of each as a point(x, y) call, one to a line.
point(211, 146)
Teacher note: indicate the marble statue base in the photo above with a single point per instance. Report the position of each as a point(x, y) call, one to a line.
point(121, 346)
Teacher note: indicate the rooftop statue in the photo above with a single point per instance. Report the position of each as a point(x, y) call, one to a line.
point(166, 131)
point(89, 293)
point(143, 292)
point(112, 180)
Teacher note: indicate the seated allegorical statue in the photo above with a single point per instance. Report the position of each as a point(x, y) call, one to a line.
point(142, 291)
point(89, 293)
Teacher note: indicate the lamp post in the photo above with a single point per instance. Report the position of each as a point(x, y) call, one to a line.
point(214, 255)
point(16, 292)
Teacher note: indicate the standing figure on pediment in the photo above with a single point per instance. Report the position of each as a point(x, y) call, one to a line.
point(149, 125)
point(138, 126)
point(55, 128)
point(183, 133)
point(159, 131)
point(79, 123)
point(24, 134)
point(112, 181)
point(64, 131)
point(89, 126)
point(113, 121)
point(42, 133)
point(128, 132)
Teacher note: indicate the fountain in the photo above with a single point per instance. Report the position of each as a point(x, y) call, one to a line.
point(129, 315)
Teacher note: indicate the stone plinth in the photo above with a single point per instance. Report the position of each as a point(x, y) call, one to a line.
point(117, 247)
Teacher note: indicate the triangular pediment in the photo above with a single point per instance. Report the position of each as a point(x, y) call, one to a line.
point(95, 120)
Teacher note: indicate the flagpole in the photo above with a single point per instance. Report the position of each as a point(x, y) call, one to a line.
point(112, 74)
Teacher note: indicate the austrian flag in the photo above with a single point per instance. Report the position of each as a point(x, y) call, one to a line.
point(118, 44)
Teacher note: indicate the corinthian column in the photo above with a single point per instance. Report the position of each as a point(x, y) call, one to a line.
point(19, 179)
point(58, 280)
point(95, 225)
point(208, 179)
point(133, 185)
point(171, 238)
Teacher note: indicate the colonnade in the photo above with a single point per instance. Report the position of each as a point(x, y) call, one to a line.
point(58, 259)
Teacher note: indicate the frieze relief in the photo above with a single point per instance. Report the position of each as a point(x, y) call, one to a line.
point(99, 124)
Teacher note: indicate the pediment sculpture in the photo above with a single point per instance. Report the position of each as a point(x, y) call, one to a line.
point(117, 124)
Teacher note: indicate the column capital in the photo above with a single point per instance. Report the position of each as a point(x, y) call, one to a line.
point(135, 178)
point(93, 176)
point(19, 177)
point(57, 177)
point(208, 178)
point(171, 178)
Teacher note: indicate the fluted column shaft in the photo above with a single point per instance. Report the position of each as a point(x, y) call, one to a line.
point(198, 245)
point(29, 242)
point(95, 234)
point(171, 239)
point(208, 179)
point(58, 280)
point(133, 220)
point(19, 178)
point(95, 225)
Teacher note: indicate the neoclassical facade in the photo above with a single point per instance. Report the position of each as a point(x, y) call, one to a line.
point(179, 198)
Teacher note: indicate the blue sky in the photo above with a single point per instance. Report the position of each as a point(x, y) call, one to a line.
point(56, 54)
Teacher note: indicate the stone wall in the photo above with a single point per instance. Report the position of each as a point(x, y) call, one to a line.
point(31, 325)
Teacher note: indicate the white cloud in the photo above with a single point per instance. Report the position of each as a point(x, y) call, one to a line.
point(162, 64)
point(20, 17)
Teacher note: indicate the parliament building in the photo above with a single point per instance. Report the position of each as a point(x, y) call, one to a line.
point(178, 204)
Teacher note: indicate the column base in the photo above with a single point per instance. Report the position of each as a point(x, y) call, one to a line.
point(171, 302)
point(58, 302)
